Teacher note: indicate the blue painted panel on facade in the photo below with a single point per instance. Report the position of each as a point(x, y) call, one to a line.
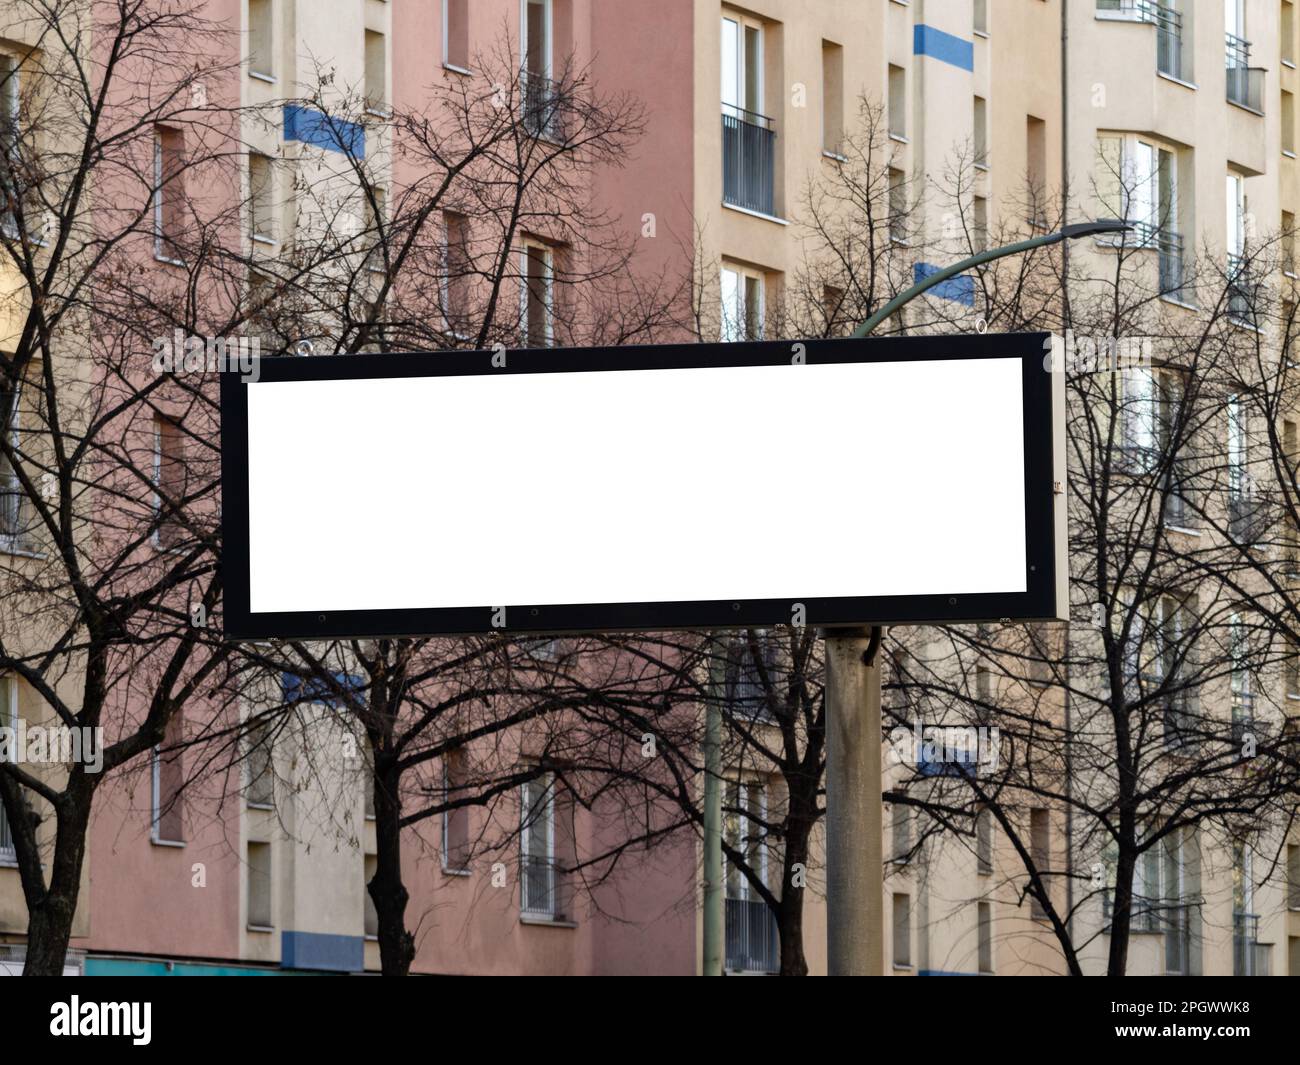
point(961, 288)
point(153, 967)
point(316, 690)
point(319, 950)
point(926, 40)
point(324, 131)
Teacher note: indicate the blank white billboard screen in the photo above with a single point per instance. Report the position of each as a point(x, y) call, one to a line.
point(637, 486)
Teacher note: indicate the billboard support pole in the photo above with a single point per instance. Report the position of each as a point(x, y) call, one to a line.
point(854, 785)
point(714, 917)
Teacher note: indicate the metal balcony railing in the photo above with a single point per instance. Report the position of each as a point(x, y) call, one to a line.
point(1245, 952)
point(543, 106)
point(6, 838)
point(542, 888)
point(1169, 247)
point(11, 505)
point(1178, 505)
point(1169, 40)
point(1245, 83)
point(1243, 715)
point(1178, 940)
point(1243, 288)
point(748, 160)
point(752, 941)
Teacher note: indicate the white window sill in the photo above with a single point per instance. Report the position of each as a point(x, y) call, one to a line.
point(1177, 81)
point(159, 257)
point(260, 806)
point(166, 842)
point(834, 156)
point(1182, 530)
point(1288, 153)
point(1244, 107)
point(458, 69)
point(984, 167)
point(900, 138)
point(1289, 63)
point(981, 33)
point(257, 75)
point(1289, 273)
point(546, 922)
point(756, 214)
point(14, 547)
point(371, 938)
point(456, 872)
point(379, 112)
point(263, 928)
point(258, 238)
point(1179, 303)
point(8, 859)
point(904, 968)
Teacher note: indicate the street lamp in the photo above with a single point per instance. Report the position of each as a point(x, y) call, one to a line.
point(854, 823)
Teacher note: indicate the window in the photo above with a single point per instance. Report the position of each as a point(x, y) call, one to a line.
point(898, 214)
point(1238, 455)
point(168, 814)
point(169, 193)
point(980, 135)
point(168, 475)
point(455, 823)
point(981, 16)
point(1235, 201)
point(10, 138)
point(541, 100)
point(1243, 698)
point(1288, 123)
point(1040, 849)
point(1036, 160)
point(261, 771)
point(1174, 628)
point(744, 810)
point(832, 97)
point(259, 886)
point(748, 136)
point(984, 935)
point(455, 34)
point(897, 102)
point(742, 304)
point(1292, 670)
point(456, 278)
point(902, 931)
point(538, 296)
point(1041, 653)
point(1293, 876)
point(13, 498)
point(833, 309)
point(546, 840)
point(261, 42)
point(261, 212)
point(1288, 245)
point(1287, 32)
point(979, 224)
point(984, 843)
point(370, 926)
point(742, 68)
point(376, 73)
point(8, 719)
point(375, 237)
point(902, 830)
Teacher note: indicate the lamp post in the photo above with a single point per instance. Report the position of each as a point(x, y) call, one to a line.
point(854, 829)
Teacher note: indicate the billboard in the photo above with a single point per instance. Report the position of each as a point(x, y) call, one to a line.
point(821, 482)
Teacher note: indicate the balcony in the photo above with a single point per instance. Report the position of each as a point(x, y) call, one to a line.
point(748, 160)
point(543, 103)
point(752, 941)
point(1169, 31)
point(1169, 248)
point(1249, 956)
point(1245, 83)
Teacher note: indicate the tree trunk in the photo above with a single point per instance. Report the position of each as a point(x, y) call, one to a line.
point(790, 915)
point(389, 894)
point(1121, 914)
point(49, 918)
